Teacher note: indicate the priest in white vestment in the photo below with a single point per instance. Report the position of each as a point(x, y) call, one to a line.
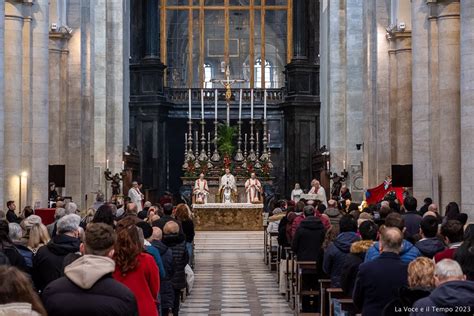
point(228, 188)
point(136, 196)
point(316, 188)
point(253, 188)
point(201, 190)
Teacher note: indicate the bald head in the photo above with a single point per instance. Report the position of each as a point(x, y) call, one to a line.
point(448, 270)
point(430, 213)
point(391, 240)
point(157, 234)
point(433, 208)
point(171, 227)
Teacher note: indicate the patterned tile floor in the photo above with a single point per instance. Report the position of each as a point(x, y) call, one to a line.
point(231, 278)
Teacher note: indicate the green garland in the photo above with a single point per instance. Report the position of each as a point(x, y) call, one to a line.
point(226, 140)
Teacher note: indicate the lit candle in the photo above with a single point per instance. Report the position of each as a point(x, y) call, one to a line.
point(265, 105)
point(202, 104)
point(344, 164)
point(107, 164)
point(327, 164)
point(251, 104)
point(240, 106)
point(215, 104)
point(269, 138)
point(123, 165)
point(189, 97)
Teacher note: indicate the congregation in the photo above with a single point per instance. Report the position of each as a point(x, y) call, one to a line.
point(390, 258)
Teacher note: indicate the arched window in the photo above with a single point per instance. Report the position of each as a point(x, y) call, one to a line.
point(207, 76)
point(258, 74)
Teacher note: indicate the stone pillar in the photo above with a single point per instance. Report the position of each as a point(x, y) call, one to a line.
point(449, 100)
point(13, 99)
point(2, 100)
point(421, 113)
point(300, 31)
point(152, 29)
point(40, 103)
point(467, 106)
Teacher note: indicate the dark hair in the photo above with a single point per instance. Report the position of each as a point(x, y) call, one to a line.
point(15, 286)
point(410, 203)
point(368, 230)
point(4, 231)
point(452, 210)
point(146, 228)
point(395, 220)
point(281, 203)
point(384, 211)
point(464, 255)
point(428, 201)
point(321, 208)
point(347, 223)
point(128, 246)
point(453, 230)
point(308, 211)
point(28, 211)
point(462, 218)
point(99, 239)
point(10, 203)
point(429, 226)
point(299, 206)
point(168, 209)
point(104, 215)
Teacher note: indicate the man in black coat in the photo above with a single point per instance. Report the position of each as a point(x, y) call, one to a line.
point(453, 294)
point(429, 244)
point(167, 210)
point(308, 237)
point(88, 287)
point(177, 243)
point(11, 215)
point(411, 217)
point(378, 280)
point(48, 261)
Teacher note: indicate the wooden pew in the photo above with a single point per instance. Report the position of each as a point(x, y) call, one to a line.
point(308, 269)
point(272, 254)
point(324, 297)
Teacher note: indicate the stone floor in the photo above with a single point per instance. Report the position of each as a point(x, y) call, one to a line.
point(231, 278)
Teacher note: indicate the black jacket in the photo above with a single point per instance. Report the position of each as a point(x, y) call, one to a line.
point(14, 256)
point(12, 218)
point(458, 295)
point(378, 282)
point(352, 263)
point(412, 223)
point(430, 246)
point(308, 239)
point(177, 244)
point(48, 261)
point(166, 287)
point(188, 230)
point(405, 299)
point(162, 221)
point(89, 289)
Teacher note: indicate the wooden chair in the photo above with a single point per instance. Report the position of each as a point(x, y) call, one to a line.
point(272, 254)
point(334, 293)
point(288, 258)
point(324, 302)
point(304, 268)
point(265, 242)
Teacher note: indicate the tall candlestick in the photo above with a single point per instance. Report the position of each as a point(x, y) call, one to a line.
point(215, 104)
point(189, 96)
point(265, 105)
point(251, 104)
point(202, 104)
point(240, 106)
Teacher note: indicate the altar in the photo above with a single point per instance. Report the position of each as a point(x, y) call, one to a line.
point(229, 216)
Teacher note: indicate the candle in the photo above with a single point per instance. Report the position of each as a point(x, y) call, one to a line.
point(245, 140)
point(327, 164)
point(269, 138)
point(185, 137)
point(257, 137)
point(202, 104)
point(215, 104)
point(107, 164)
point(240, 106)
point(265, 105)
point(123, 165)
point(251, 104)
point(344, 164)
point(189, 97)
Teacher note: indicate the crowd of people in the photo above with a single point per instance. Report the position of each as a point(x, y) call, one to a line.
point(126, 261)
point(391, 258)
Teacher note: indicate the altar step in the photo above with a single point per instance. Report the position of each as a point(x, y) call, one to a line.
point(238, 241)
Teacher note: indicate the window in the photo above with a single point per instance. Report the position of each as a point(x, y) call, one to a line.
point(258, 74)
point(207, 76)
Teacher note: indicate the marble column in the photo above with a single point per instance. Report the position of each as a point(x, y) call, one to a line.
point(13, 99)
point(2, 100)
point(300, 32)
point(467, 106)
point(449, 100)
point(422, 167)
point(40, 103)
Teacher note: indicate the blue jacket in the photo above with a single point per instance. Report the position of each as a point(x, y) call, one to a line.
point(156, 254)
point(378, 282)
point(430, 246)
point(408, 253)
point(335, 256)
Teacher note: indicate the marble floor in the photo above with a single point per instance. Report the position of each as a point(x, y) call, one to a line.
point(231, 277)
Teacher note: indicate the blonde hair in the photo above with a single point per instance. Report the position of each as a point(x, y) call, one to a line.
point(38, 236)
point(421, 273)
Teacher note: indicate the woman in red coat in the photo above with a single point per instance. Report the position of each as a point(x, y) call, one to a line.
point(135, 268)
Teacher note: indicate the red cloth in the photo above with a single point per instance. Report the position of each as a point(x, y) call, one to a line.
point(46, 214)
point(445, 254)
point(144, 282)
point(375, 195)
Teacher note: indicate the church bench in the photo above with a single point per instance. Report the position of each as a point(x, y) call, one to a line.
point(272, 251)
point(308, 270)
point(324, 303)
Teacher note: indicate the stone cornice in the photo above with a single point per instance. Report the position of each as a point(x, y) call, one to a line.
point(59, 35)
